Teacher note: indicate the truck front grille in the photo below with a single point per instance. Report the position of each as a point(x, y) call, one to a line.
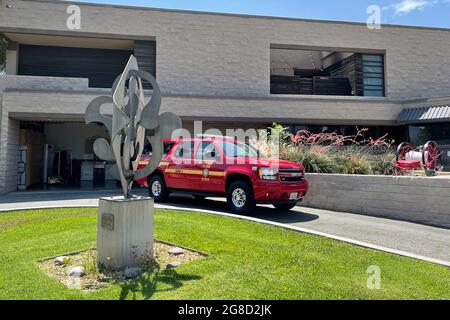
point(291, 176)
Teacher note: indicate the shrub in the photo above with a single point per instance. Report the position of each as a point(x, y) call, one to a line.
point(266, 145)
point(383, 164)
point(352, 159)
point(334, 153)
point(355, 164)
point(283, 133)
point(90, 262)
point(314, 159)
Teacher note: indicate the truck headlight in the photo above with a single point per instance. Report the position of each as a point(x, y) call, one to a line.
point(267, 174)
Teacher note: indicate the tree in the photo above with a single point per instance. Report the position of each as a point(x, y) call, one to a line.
point(3, 46)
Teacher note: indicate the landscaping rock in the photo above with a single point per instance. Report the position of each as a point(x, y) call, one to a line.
point(60, 261)
point(176, 251)
point(132, 272)
point(173, 265)
point(77, 272)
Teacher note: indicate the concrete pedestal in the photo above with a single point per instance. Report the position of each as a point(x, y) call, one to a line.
point(125, 231)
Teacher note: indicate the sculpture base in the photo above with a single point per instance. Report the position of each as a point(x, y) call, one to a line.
point(125, 231)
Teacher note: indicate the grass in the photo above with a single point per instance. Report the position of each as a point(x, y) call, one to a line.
point(249, 261)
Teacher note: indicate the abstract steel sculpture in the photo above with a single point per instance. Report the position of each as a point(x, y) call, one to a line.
point(132, 122)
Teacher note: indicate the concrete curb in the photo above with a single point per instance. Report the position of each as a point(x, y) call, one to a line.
point(74, 206)
point(275, 224)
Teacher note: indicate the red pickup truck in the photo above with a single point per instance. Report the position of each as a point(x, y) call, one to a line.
point(220, 166)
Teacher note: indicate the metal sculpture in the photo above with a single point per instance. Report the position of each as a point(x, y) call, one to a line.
point(132, 122)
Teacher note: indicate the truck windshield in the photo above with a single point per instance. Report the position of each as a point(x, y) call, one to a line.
point(239, 150)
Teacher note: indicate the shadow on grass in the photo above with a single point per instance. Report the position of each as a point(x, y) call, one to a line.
point(147, 284)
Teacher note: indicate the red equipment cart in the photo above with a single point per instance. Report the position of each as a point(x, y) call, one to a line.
point(409, 159)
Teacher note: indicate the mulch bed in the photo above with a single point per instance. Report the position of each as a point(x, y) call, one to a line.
point(96, 279)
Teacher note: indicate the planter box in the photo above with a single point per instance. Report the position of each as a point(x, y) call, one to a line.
point(417, 199)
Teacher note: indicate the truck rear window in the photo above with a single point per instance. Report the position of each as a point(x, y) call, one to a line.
point(167, 147)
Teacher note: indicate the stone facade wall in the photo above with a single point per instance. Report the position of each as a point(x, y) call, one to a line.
point(42, 83)
point(72, 104)
point(9, 150)
point(229, 55)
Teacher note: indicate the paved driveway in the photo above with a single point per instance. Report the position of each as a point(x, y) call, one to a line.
point(408, 237)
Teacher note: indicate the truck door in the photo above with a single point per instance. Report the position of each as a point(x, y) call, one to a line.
point(178, 174)
point(209, 161)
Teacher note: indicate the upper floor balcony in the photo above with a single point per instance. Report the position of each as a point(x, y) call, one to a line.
point(309, 71)
point(71, 63)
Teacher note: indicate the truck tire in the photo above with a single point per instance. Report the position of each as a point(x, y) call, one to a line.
point(284, 206)
point(240, 197)
point(157, 188)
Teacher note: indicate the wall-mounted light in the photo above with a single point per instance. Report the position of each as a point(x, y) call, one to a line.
point(9, 6)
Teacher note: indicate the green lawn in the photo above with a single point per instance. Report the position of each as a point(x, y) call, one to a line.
point(248, 261)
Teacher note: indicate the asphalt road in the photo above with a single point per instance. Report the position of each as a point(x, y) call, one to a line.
point(409, 237)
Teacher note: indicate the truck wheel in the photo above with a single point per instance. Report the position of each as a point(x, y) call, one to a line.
point(284, 206)
point(157, 188)
point(240, 197)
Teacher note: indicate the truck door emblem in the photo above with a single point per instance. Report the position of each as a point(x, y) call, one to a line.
point(205, 173)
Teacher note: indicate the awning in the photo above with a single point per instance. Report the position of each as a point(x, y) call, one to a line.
point(425, 115)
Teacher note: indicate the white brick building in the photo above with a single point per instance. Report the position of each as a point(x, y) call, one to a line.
point(228, 70)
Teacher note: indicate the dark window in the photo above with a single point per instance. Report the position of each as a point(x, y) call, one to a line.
point(441, 132)
point(145, 53)
point(373, 75)
point(421, 134)
point(100, 66)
